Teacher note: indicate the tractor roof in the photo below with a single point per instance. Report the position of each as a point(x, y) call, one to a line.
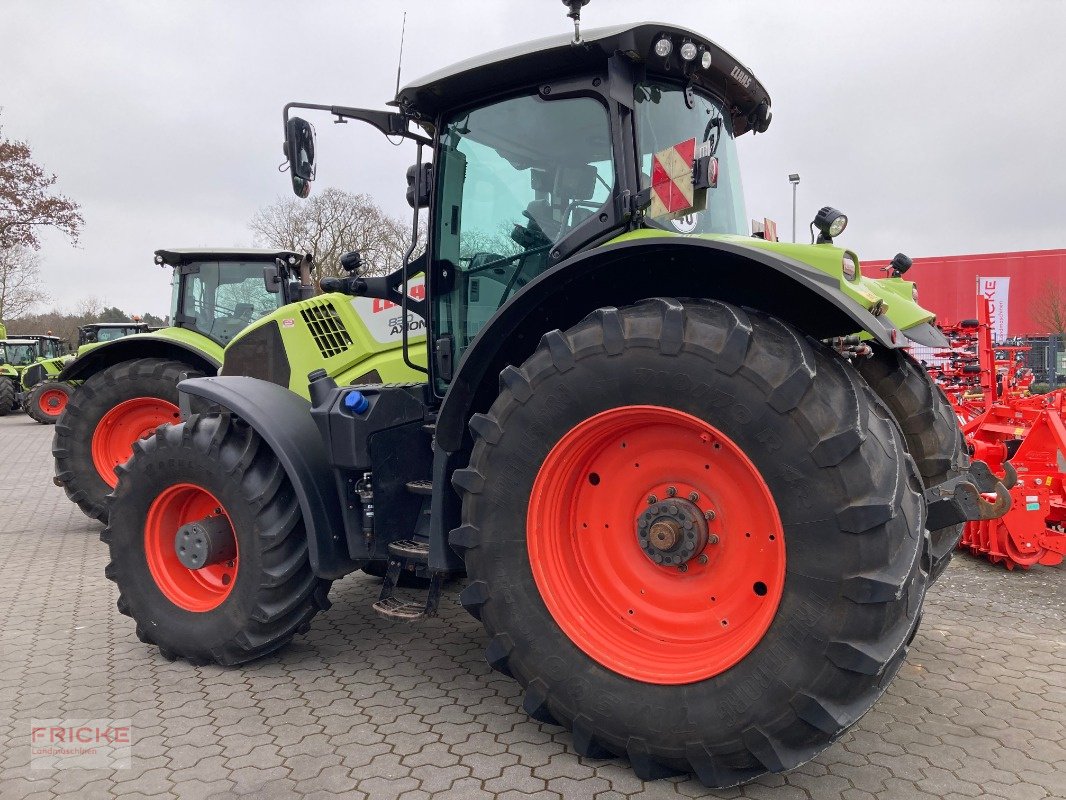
point(115, 325)
point(34, 337)
point(186, 255)
point(542, 60)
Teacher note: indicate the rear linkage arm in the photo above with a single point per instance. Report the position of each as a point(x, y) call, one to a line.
point(960, 499)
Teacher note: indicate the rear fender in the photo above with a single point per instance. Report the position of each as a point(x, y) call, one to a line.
point(627, 272)
point(284, 422)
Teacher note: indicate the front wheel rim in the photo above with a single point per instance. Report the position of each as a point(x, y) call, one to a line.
point(121, 426)
point(196, 590)
point(52, 402)
point(692, 612)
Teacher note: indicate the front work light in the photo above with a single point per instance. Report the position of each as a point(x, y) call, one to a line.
point(830, 224)
point(664, 47)
point(688, 51)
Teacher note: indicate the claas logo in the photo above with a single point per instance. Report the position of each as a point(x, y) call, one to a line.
point(417, 292)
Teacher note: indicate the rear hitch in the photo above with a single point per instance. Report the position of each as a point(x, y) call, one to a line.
point(961, 499)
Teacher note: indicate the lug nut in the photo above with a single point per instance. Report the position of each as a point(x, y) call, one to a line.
point(682, 567)
point(712, 539)
point(703, 558)
point(652, 499)
point(708, 515)
point(671, 491)
point(694, 497)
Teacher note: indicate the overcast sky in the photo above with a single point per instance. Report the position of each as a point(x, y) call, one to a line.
point(938, 127)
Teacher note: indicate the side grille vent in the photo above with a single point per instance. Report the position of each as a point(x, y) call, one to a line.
point(327, 328)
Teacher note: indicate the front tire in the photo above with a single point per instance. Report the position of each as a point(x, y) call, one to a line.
point(110, 411)
point(48, 400)
point(228, 612)
point(752, 661)
point(7, 396)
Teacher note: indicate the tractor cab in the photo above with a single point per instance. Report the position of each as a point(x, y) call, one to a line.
point(549, 148)
point(99, 332)
point(47, 346)
point(20, 352)
point(219, 292)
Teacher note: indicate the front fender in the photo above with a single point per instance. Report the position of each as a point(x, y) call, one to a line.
point(283, 420)
point(171, 343)
point(639, 267)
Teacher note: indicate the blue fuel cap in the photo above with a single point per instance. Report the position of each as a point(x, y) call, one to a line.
point(356, 402)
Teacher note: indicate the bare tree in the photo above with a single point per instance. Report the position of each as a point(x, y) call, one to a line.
point(20, 282)
point(331, 223)
point(1049, 308)
point(28, 201)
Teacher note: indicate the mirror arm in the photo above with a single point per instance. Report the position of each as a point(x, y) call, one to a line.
point(388, 122)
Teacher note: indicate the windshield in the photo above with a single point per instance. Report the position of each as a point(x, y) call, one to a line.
point(664, 120)
point(110, 334)
point(513, 179)
point(222, 298)
point(20, 354)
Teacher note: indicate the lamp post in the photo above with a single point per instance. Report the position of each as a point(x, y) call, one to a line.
point(794, 179)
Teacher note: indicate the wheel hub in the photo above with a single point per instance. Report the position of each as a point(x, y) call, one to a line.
point(205, 542)
point(672, 531)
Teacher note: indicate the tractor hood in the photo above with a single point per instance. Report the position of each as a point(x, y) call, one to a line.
point(530, 63)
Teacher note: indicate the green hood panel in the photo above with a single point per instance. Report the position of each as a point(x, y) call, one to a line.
point(895, 293)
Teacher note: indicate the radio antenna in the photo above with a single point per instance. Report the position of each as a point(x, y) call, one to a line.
point(399, 63)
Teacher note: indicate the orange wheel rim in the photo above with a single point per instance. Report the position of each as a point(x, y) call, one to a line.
point(52, 402)
point(656, 544)
point(197, 590)
point(134, 419)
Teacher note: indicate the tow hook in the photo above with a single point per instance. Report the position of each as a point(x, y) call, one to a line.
point(962, 499)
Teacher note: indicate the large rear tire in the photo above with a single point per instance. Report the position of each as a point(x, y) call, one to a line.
point(7, 396)
point(109, 412)
point(930, 430)
point(227, 612)
point(635, 426)
point(48, 400)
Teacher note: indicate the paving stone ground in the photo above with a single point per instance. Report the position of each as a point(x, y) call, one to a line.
point(364, 708)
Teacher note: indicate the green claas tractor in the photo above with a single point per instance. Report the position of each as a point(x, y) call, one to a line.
point(44, 396)
point(685, 470)
point(16, 354)
point(25, 354)
point(128, 386)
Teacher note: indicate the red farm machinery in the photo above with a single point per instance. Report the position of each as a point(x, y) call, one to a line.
point(1021, 436)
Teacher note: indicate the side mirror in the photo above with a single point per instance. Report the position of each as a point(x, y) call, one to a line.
point(272, 277)
point(300, 150)
point(425, 184)
point(352, 263)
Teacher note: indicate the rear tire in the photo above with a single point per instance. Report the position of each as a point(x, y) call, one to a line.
point(88, 478)
point(833, 461)
point(930, 429)
point(48, 400)
point(273, 594)
point(7, 396)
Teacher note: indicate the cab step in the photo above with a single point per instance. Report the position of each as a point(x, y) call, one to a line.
point(409, 550)
point(403, 554)
point(423, 488)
